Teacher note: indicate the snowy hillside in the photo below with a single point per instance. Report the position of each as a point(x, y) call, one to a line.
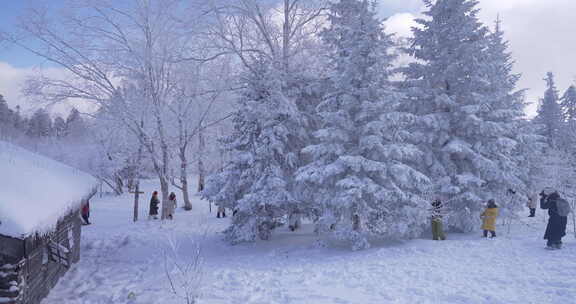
point(123, 262)
point(35, 191)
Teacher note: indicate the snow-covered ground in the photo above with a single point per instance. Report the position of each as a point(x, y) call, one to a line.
point(123, 262)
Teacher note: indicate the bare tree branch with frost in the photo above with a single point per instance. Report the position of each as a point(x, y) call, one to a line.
point(184, 273)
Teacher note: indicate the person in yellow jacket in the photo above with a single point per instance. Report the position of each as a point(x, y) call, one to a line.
point(489, 218)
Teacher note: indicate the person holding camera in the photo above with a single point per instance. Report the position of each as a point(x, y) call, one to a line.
point(556, 228)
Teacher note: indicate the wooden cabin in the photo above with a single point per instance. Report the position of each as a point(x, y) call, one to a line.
point(40, 224)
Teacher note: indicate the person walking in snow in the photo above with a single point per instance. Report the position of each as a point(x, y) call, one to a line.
point(489, 219)
point(556, 228)
point(154, 202)
point(531, 204)
point(436, 220)
point(294, 220)
point(171, 206)
point(85, 212)
point(221, 211)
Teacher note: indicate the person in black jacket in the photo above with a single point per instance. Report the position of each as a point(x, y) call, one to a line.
point(556, 227)
point(154, 202)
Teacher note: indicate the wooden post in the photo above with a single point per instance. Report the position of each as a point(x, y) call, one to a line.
point(136, 177)
point(137, 193)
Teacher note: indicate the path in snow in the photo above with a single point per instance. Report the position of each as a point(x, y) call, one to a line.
point(121, 262)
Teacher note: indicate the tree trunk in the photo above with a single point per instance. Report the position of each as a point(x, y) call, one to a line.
point(164, 188)
point(184, 180)
point(221, 152)
point(119, 189)
point(136, 197)
point(136, 176)
point(200, 157)
point(286, 36)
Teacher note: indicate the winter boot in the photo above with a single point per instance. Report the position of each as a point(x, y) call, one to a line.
point(550, 245)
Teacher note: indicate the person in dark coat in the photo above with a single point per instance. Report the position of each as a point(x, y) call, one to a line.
point(154, 202)
point(556, 227)
point(85, 212)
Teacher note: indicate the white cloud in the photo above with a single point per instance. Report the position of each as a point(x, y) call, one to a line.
point(401, 24)
point(12, 79)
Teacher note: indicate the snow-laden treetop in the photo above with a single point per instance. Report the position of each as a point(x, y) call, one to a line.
point(35, 191)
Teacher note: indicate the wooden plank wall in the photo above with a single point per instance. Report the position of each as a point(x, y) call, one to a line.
point(47, 258)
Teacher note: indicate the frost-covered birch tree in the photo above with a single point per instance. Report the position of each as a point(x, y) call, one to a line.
point(104, 47)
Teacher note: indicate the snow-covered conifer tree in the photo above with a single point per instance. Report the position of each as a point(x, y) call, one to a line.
point(506, 108)
point(362, 165)
point(549, 111)
point(568, 103)
point(462, 85)
point(40, 124)
point(258, 181)
point(568, 133)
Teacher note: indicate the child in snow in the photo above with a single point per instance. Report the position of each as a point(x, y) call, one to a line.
point(154, 202)
point(489, 218)
point(436, 219)
point(85, 212)
point(171, 206)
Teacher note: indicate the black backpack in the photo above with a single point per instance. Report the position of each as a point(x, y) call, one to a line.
point(563, 207)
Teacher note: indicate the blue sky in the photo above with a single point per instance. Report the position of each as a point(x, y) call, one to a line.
point(9, 12)
point(540, 34)
point(11, 9)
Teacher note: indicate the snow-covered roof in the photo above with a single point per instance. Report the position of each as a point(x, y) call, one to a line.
point(35, 191)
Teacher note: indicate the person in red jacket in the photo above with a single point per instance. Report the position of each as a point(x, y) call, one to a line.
point(85, 212)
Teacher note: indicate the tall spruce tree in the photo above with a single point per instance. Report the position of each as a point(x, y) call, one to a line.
point(6, 118)
point(258, 182)
point(362, 165)
point(549, 111)
point(568, 104)
point(75, 125)
point(462, 85)
point(568, 131)
point(40, 124)
point(506, 107)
